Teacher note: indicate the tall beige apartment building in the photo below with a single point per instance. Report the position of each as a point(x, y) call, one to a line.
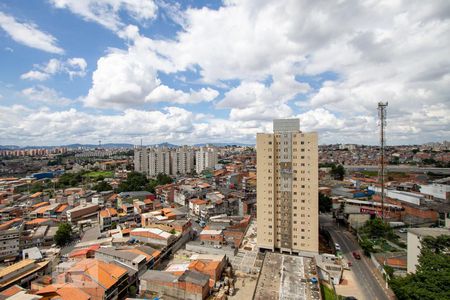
point(287, 189)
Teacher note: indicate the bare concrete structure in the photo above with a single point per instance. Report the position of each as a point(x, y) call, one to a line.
point(287, 189)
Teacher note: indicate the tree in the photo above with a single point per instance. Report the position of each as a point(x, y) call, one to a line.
point(70, 179)
point(135, 182)
point(103, 186)
point(36, 187)
point(63, 234)
point(432, 277)
point(132, 291)
point(163, 179)
point(377, 228)
point(338, 172)
point(325, 203)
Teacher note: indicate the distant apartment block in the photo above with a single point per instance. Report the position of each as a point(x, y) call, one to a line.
point(141, 160)
point(158, 161)
point(287, 189)
point(182, 161)
point(173, 161)
point(205, 158)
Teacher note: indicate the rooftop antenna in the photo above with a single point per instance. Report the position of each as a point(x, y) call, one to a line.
point(381, 170)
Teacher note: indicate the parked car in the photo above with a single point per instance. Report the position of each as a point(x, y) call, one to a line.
point(356, 255)
point(337, 246)
point(403, 230)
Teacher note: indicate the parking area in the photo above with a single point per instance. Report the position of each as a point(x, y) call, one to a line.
point(287, 277)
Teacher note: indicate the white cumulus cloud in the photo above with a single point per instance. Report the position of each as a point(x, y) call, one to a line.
point(45, 95)
point(107, 12)
point(75, 66)
point(28, 34)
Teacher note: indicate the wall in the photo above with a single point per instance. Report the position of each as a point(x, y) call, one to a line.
point(413, 242)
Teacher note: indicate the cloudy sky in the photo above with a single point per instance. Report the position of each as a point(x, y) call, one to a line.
point(79, 71)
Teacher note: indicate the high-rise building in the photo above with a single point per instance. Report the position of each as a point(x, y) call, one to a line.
point(287, 189)
point(158, 161)
point(141, 160)
point(182, 161)
point(205, 158)
point(171, 161)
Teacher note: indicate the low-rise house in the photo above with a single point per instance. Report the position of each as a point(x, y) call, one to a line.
point(135, 261)
point(22, 273)
point(94, 278)
point(191, 285)
point(107, 217)
point(165, 193)
point(9, 240)
point(157, 220)
point(38, 236)
point(82, 212)
point(196, 206)
point(17, 292)
point(151, 254)
point(80, 254)
point(212, 237)
point(153, 236)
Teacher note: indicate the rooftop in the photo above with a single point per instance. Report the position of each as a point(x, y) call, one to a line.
point(433, 232)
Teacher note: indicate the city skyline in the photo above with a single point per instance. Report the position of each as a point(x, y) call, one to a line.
point(181, 72)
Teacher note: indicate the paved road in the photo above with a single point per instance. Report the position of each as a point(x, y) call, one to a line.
point(370, 285)
point(395, 168)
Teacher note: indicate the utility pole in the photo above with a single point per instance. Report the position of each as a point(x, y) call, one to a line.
point(381, 172)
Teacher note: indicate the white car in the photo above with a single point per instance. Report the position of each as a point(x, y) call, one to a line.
point(403, 230)
point(337, 246)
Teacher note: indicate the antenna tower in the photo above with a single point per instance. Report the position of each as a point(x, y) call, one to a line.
point(381, 169)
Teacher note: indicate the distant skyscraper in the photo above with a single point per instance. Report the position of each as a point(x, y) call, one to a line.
point(287, 189)
point(171, 161)
point(141, 160)
point(205, 158)
point(182, 161)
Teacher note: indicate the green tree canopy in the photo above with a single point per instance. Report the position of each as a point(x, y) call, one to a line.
point(432, 278)
point(338, 172)
point(70, 179)
point(102, 186)
point(139, 182)
point(134, 182)
point(63, 234)
point(36, 187)
point(377, 228)
point(325, 203)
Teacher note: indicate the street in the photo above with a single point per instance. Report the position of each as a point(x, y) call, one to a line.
point(371, 285)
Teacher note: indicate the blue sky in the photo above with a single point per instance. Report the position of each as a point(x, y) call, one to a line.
point(79, 71)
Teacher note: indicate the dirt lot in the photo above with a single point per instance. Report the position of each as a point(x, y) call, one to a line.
point(245, 286)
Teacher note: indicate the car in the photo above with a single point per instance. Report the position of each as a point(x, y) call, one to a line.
point(356, 255)
point(403, 230)
point(337, 246)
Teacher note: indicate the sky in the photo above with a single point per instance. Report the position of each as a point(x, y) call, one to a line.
point(186, 72)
